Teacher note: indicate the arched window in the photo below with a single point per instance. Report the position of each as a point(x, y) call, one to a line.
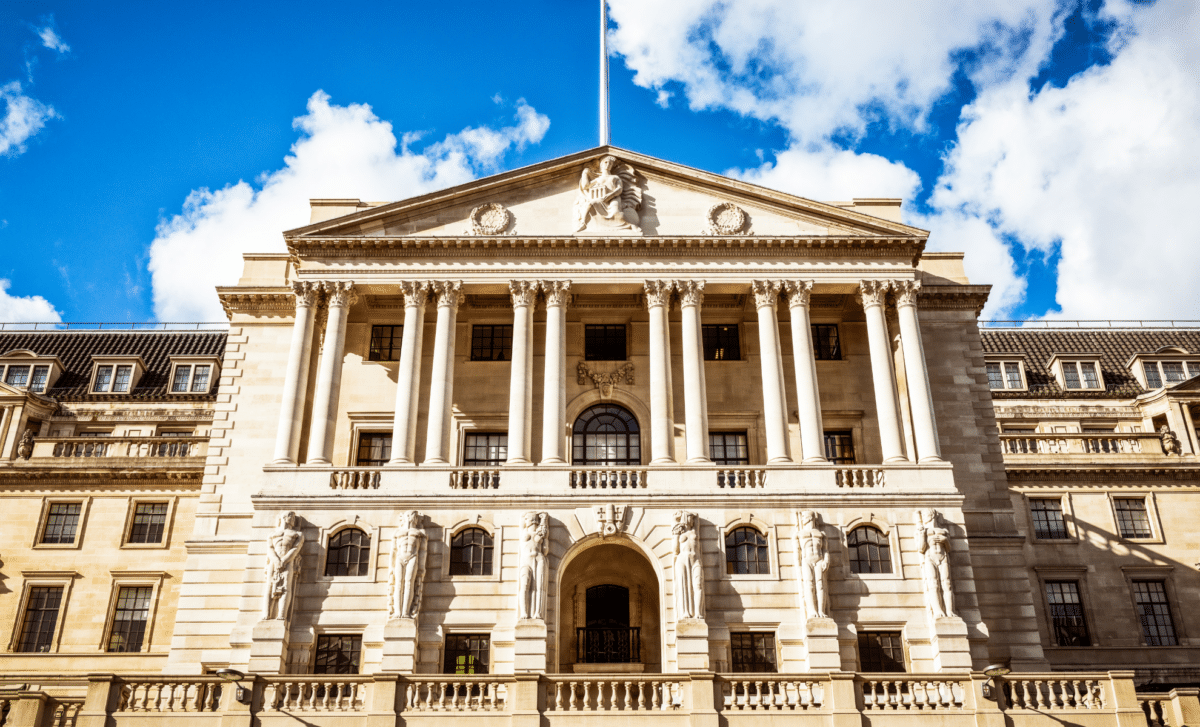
point(870, 551)
point(606, 434)
point(471, 553)
point(349, 553)
point(746, 552)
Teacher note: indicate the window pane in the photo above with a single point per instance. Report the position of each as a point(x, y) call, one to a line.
point(881, 651)
point(1048, 518)
point(995, 377)
point(1090, 379)
point(41, 615)
point(183, 374)
point(485, 450)
point(1152, 378)
point(839, 447)
point(121, 381)
point(337, 654)
point(1067, 620)
point(200, 380)
point(491, 343)
point(728, 448)
point(41, 376)
point(61, 522)
point(722, 343)
point(467, 654)
point(1132, 521)
point(870, 551)
point(149, 521)
point(1193, 369)
point(103, 378)
point(1173, 371)
point(17, 376)
point(746, 552)
point(349, 553)
point(129, 619)
point(385, 343)
point(374, 449)
point(1155, 613)
point(604, 435)
point(604, 343)
point(753, 652)
point(471, 553)
point(1012, 372)
point(826, 344)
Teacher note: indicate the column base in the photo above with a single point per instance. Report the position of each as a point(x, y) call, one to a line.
point(435, 461)
point(662, 461)
point(400, 463)
point(779, 460)
point(898, 459)
point(931, 459)
point(553, 460)
point(815, 460)
point(699, 460)
point(283, 462)
point(317, 463)
point(519, 463)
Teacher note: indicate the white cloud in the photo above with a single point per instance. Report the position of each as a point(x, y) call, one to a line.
point(343, 151)
point(25, 309)
point(828, 173)
point(23, 117)
point(51, 39)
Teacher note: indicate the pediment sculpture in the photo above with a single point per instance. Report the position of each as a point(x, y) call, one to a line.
point(609, 201)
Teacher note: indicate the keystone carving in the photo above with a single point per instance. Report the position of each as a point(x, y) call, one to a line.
point(604, 381)
point(610, 519)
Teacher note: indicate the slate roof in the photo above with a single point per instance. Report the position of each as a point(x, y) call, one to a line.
point(1115, 348)
point(76, 348)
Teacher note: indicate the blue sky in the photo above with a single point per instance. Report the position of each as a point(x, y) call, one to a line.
point(144, 146)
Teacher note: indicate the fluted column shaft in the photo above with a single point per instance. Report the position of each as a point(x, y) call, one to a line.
point(872, 294)
point(520, 380)
point(295, 377)
point(920, 396)
point(408, 375)
point(662, 426)
point(766, 296)
point(808, 397)
point(695, 393)
point(339, 297)
point(441, 387)
point(554, 400)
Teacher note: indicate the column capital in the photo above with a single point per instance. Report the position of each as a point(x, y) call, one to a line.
point(798, 292)
point(415, 293)
point(873, 292)
point(523, 292)
point(306, 292)
point(691, 292)
point(658, 292)
point(906, 292)
point(340, 294)
point(557, 292)
point(766, 292)
point(449, 293)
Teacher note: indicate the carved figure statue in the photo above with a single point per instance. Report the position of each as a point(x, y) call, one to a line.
point(531, 576)
point(611, 199)
point(814, 564)
point(688, 571)
point(933, 542)
point(283, 564)
point(25, 447)
point(1170, 443)
point(407, 577)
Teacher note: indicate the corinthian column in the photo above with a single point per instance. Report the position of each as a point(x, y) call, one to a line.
point(920, 397)
point(812, 435)
point(662, 428)
point(766, 295)
point(872, 294)
point(520, 382)
point(339, 297)
point(441, 388)
point(554, 401)
point(695, 394)
point(408, 375)
point(287, 438)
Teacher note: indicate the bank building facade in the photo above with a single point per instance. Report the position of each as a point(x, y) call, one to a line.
point(604, 440)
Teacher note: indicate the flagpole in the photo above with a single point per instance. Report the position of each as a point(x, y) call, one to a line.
point(604, 131)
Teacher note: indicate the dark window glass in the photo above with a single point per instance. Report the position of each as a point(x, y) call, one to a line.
point(385, 343)
point(827, 346)
point(103, 378)
point(753, 652)
point(1155, 613)
point(471, 553)
point(1173, 371)
point(881, 652)
point(1153, 380)
point(62, 520)
point(129, 619)
point(491, 343)
point(337, 654)
point(1048, 518)
point(183, 374)
point(485, 449)
point(606, 434)
point(604, 343)
point(870, 551)
point(349, 553)
point(1090, 379)
point(1066, 614)
point(200, 379)
point(839, 447)
point(374, 449)
point(41, 615)
point(123, 378)
point(1193, 368)
point(1071, 375)
point(1132, 521)
point(746, 552)
point(722, 343)
point(995, 376)
point(467, 654)
point(41, 375)
point(149, 522)
point(17, 376)
point(729, 448)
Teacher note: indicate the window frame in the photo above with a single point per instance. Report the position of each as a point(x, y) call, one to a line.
point(396, 347)
point(905, 662)
point(135, 375)
point(1058, 363)
point(1152, 516)
point(891, 532)
point(36, 579)
point(1138, 363)
point(325, 534)
point(467, 633)
point(339, 632)
point(132, 579)
point(1065, 508)
point(766, 544)
point(1087, 629)
point(471, 351)
point(358, 442)
point(854, 444)
point(587, 326)
point(768, 532)
point(468, 433)
point(745, 435)
point(718, 328)
point(448, 533)
point(775, 653)
point(25, 357)
point(191, 362)
point(1079, 574)
point(841, 348)
point(86, 503)
point(1165, 574)
point(130, 514)
point(1004, 362)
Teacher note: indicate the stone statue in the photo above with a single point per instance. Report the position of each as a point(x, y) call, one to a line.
point(283, 564)
point(688, 571)
point(1170, 443)
point(531, 576)
point(933, 541)
point(25, 447)
point(813, 556)
point(407, 576)
point(610, 200)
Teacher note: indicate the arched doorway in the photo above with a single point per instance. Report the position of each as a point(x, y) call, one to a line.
point(606, 435)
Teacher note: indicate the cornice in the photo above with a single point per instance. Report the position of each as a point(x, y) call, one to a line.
point(1127, 472)
point(954, 297)
point(117, 415)
point(236, 299)
point(64, 476)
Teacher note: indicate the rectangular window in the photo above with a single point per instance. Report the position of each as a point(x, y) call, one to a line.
point(103, 378)
point(839, 447)
point(491, 343)
point(995, 376)
point(130, 618)
point(881, 651)
point(1067, 621)
point(183, 374)
point(1155, 613)
point(1153, 380)
point(722, 343)
point(1048, 519)
point(122, 379)
point(752, 652)
point(1132, 520)
point(337, 654)
point(18, 376)
point(41, 616)
point(1173, 372)
point(62, 521)
point(826, 344)
point(467, 654)
point(1090, 379)
point(728, 448)
point(1071, 375)
point(485, 449)
point(1012, 372)
point(1193, 369)
point(385, 343)
point(200, 379)
point(374, 449)
point(604, 343)
point(149, 522)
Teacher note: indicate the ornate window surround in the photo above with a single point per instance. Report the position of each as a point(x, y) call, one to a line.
point(497, 533)
point(367, 423)
point(32, 579)
point(139, 368)
point(128, 579)
point(462, 425)
point(768, 532)
point(131, 509)
point(1164, 573)
point(214, 374)
point(86, 504)
point(1136, 362)
point(907, 642)
point(323, 536)
point(25, 357)
point(749, 422)
point(890, 531)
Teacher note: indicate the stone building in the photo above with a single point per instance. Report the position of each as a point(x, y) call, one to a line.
point(604, 434)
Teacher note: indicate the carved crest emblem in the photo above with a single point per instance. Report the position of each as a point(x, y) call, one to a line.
point(610, 519)
point(604, 381)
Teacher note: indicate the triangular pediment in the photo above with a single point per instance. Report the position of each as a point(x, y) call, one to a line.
point(672, 201)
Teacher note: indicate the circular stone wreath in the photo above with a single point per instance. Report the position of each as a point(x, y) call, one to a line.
point(489, 219)
point(726, 218)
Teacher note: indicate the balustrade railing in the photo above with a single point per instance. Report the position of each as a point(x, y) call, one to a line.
point(602, 478)
point(475, 479)
point(859, 477)
point(897, 692)
point(65, 712)
point(129, 447)
point(315, 694)
point(1157, 708)
point(354, 479)
point(741, 477)
point(171, 695)
point(614, 693)
point(1054, 693)
point(1052, 443)
point(600, 645)
point(770, 692)
point(454, 693)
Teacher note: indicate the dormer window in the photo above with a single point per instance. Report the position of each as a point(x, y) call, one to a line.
point(1006, 375)
point(193, 374)
point(115, 374)
point(1077, 372)
point(1165, 367)
point(29, 371)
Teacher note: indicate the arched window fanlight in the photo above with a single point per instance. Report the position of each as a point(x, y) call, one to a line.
point(870, 551)
point(471, 553)
point(746, 552)
point(349, 553)
point(605, 435)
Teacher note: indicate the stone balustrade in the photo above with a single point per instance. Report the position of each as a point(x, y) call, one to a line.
point(315, 694)
point(614, 693)
point(146, 451)
point(455, 693)
point(1072, 445)
point(904, 692)
point(771, 693)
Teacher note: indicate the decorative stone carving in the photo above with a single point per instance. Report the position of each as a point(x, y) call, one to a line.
point(306, 293)
point(813, 555)
point(766, 292)
point(611, 200)
point(873, 292)
point(658, 292)
point(691, 292)
point(688, 572)
point(25, 447)
point(340, 294)
point(933, 543)
point(407, 577)
point(798, 292)
point(415, 293)
point(725, 218)
point(610, 519)
point(1170, 443)
point(523, 292)
point(283, 567)
point(449, 293)
point(531, 573)
point(604, 381)
point(557, 292)
point(490, 219)
point(906, 291)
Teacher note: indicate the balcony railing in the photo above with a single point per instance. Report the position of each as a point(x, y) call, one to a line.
point(1129, 445)
point(81, 450)
point(600, 645)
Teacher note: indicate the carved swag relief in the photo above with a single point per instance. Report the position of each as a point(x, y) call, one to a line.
point(604, 381)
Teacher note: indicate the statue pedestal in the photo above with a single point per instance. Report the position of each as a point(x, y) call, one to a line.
point(821, 642)
point(691, 644)
point(400, 645)
point(951, 650)
point(530, 653)
point(268, 647)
